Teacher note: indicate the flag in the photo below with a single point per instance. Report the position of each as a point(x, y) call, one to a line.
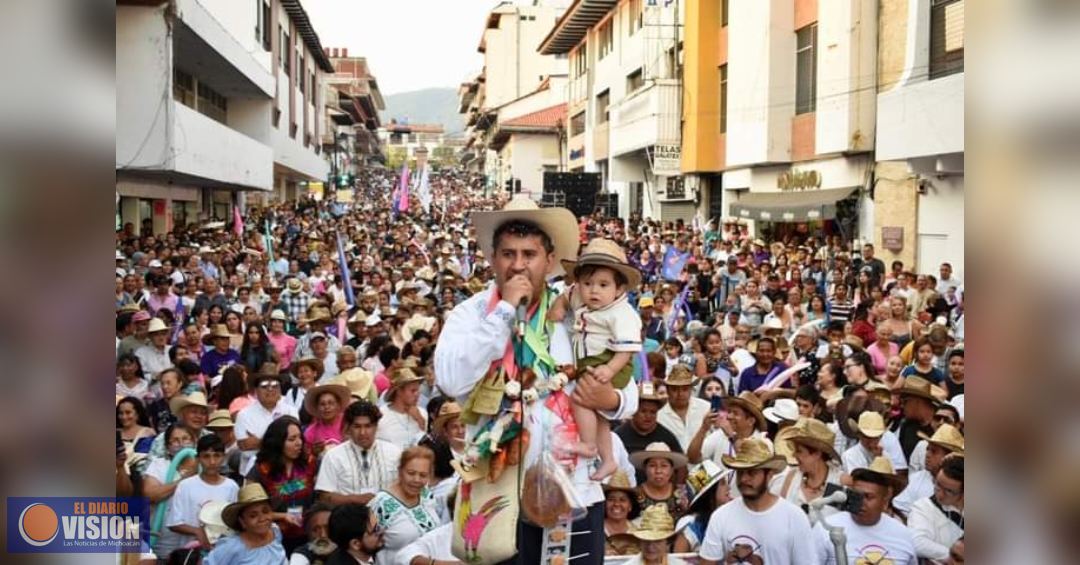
point(344, 266)
point(423, 191)
point(178, 319)
point(269, 248)
point(674, 263)
point(238, 222)
point(678, 306)
point(403, 189)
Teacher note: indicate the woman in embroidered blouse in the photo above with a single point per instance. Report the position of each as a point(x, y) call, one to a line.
point(286, 469)
point(407, 509)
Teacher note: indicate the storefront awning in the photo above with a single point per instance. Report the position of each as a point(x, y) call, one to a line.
point(790, 206)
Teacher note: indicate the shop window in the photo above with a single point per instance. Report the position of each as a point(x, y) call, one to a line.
point(262, 23)
point(806, 69)
point(946, 37)
point(634, 16)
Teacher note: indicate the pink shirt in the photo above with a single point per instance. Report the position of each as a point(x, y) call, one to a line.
point(285, 345)
point(881, 358)
point(331, 433)
point(382, 382)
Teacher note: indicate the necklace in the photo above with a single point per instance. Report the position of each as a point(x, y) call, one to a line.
point(363, 470)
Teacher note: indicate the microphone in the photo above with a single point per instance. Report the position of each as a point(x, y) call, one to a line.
point(522, 317)
point(838, 497)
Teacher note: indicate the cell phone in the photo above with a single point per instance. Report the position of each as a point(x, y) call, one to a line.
point(717, 403)
point(119, 444)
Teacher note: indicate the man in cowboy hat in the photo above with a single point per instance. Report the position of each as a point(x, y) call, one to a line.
point(684, 412)
point(317, 318)
point(525, 245)
point(758, 527)
point(937, 521)
point(154, 356)
point(220, 355)
point(295, 300)
point(917, 403)
point(403, 421)
point(741, 418)
point(643, 428)
point(945, 441)
point(872, 536)
point(192, 412)
point(252, 421)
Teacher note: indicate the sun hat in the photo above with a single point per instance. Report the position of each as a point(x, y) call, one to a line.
point(558, 223)
point(645, 302)
point(210, 518)
point(783, 446)
point(447, 412)
point(680, 376)
point(157, 325)
point(372, 320)
point(946, 437)
point(251, 493)
point(753, 453)
point(604, 253)
point(918, 386)
point(294, 286)
point(278, 315)
point(317, 313)
point(772, 324)
point(309, 361)
point(657, 449)
point(784, 409)
point(338, 389)
point(619, 481)
point(179, 402)
point(220, 419)
point(703, 477)
point(880, 471)
point(813, 433)
point(402, 377)
point(358, 382)
point(216, 331)
point(749, 402)
point(154, 264)
point(648, 391)
point(655, 524)
point(871, 424)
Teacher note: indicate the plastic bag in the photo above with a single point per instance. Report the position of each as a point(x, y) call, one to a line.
point(548, 495)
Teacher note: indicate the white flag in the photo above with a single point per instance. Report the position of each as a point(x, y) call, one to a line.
point(424, 191)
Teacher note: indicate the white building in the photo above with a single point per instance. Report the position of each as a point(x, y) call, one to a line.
point(207, 110)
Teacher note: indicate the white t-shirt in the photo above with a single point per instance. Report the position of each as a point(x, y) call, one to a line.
point(399, 428)
point(857, 457)
point(437, 543)
point(777, 536)
point(190, 496)
point(888, 541)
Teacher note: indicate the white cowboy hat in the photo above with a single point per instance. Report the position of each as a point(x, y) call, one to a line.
point(784, 409)
point(558, 223)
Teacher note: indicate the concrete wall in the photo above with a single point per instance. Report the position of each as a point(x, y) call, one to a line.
point(210, 150)
point(761, 81)
point(240, 18)
point(896, 204)
point(941, 225)
point(527, 157)
point(143, 88)
point(847, 62)
point(513, 66)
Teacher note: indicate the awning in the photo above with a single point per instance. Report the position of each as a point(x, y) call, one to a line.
point(790, 206)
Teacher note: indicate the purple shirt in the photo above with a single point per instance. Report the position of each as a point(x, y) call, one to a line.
point(155, 302)
point(750, 379)
point(212, 361)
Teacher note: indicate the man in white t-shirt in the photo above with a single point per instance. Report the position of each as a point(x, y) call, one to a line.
point(192, 493)
point(354, 470)
point(871, 536)
point(252, 421)
point(759, 527)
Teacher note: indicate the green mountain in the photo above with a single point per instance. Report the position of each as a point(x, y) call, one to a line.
point(427, 106)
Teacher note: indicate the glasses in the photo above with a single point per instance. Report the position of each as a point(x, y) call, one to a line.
point(269, 385)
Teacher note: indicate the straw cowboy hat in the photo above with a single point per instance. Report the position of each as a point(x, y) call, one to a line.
point(871, 424)
point(402, 377)
point(946, 437)
point(216, 331)
point(210, 518)
point(880, 471)
point(251, 493)
point(619, 481)
point(751, 403)
point(753, 453)
point(558, 223)
point(157, 325)
point(604, 253)
point(655, 524)
point(220, 419)
point(680, 376)
point(922, 388)
point(357, 381)
point(317, 313)
point(315, 364)
point(784, 447)
point(703, 477)
point(407, 287)
point(783, 409)
point(279, 315)
point(447, 412)
point(416, 323)
point(338, 389)
point(178, 403)
point(648, 391)
point(815, 434)
point(657, 449)
point(294, 286)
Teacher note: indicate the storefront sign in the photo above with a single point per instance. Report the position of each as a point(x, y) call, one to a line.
point(667, 160)
point(799, 180)
point(892, 238)
point(315, 189)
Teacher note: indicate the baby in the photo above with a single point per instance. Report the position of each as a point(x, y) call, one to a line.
point(606, 335)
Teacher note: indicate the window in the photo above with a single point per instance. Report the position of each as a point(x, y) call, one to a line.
point(183, 88)
point(581, 64)
point(602, 101)
point(633, 16)
point(286, 51)
point(311, 89)
point(946, 37)
point(577, 124)
point(300, 71)
point(606, 36)
point(723, 98)
point(723, 13)
point(806, 69)
point(634, 81)
point(211, 104)
point(262, 23)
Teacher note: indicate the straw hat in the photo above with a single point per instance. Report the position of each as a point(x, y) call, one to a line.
point(946, 437)
point(879, 471)
point(315, 364)
point(657, 449)
point(918, 386)
point(447, 412)
point(251, 493)
point(178, 403)
point(210, 518)
point(220, 419)
point(278, 315)
point(605, 253)
point(402, 377)
point(647, 391)
point(784, 447)
point(871, 424)
point(619, 481)
point(216, 331)
point(317, 313)
point(749, 402)
point(772, 324)
point(416, 323)
point(783, 409)
point(703, 477)
point(680, 376)
point(157, 325)
point(815, 434)
point(655, 524)
point(558, 223)
point(294, 286)
point(338, 389)
point(407, 287)
point(753, 453)
point(357, 381)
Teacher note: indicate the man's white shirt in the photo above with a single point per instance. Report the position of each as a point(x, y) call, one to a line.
point(252, 421)
point(342, 468)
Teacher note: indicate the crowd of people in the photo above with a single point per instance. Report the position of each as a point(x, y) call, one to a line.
point(301, 386)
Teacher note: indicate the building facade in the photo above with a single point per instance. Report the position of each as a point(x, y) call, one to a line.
point(350, 137)
point(214, 103)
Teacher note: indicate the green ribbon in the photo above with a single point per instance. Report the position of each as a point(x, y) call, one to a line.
point(536, 354)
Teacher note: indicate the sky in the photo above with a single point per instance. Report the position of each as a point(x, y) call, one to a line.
point(409, 44)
